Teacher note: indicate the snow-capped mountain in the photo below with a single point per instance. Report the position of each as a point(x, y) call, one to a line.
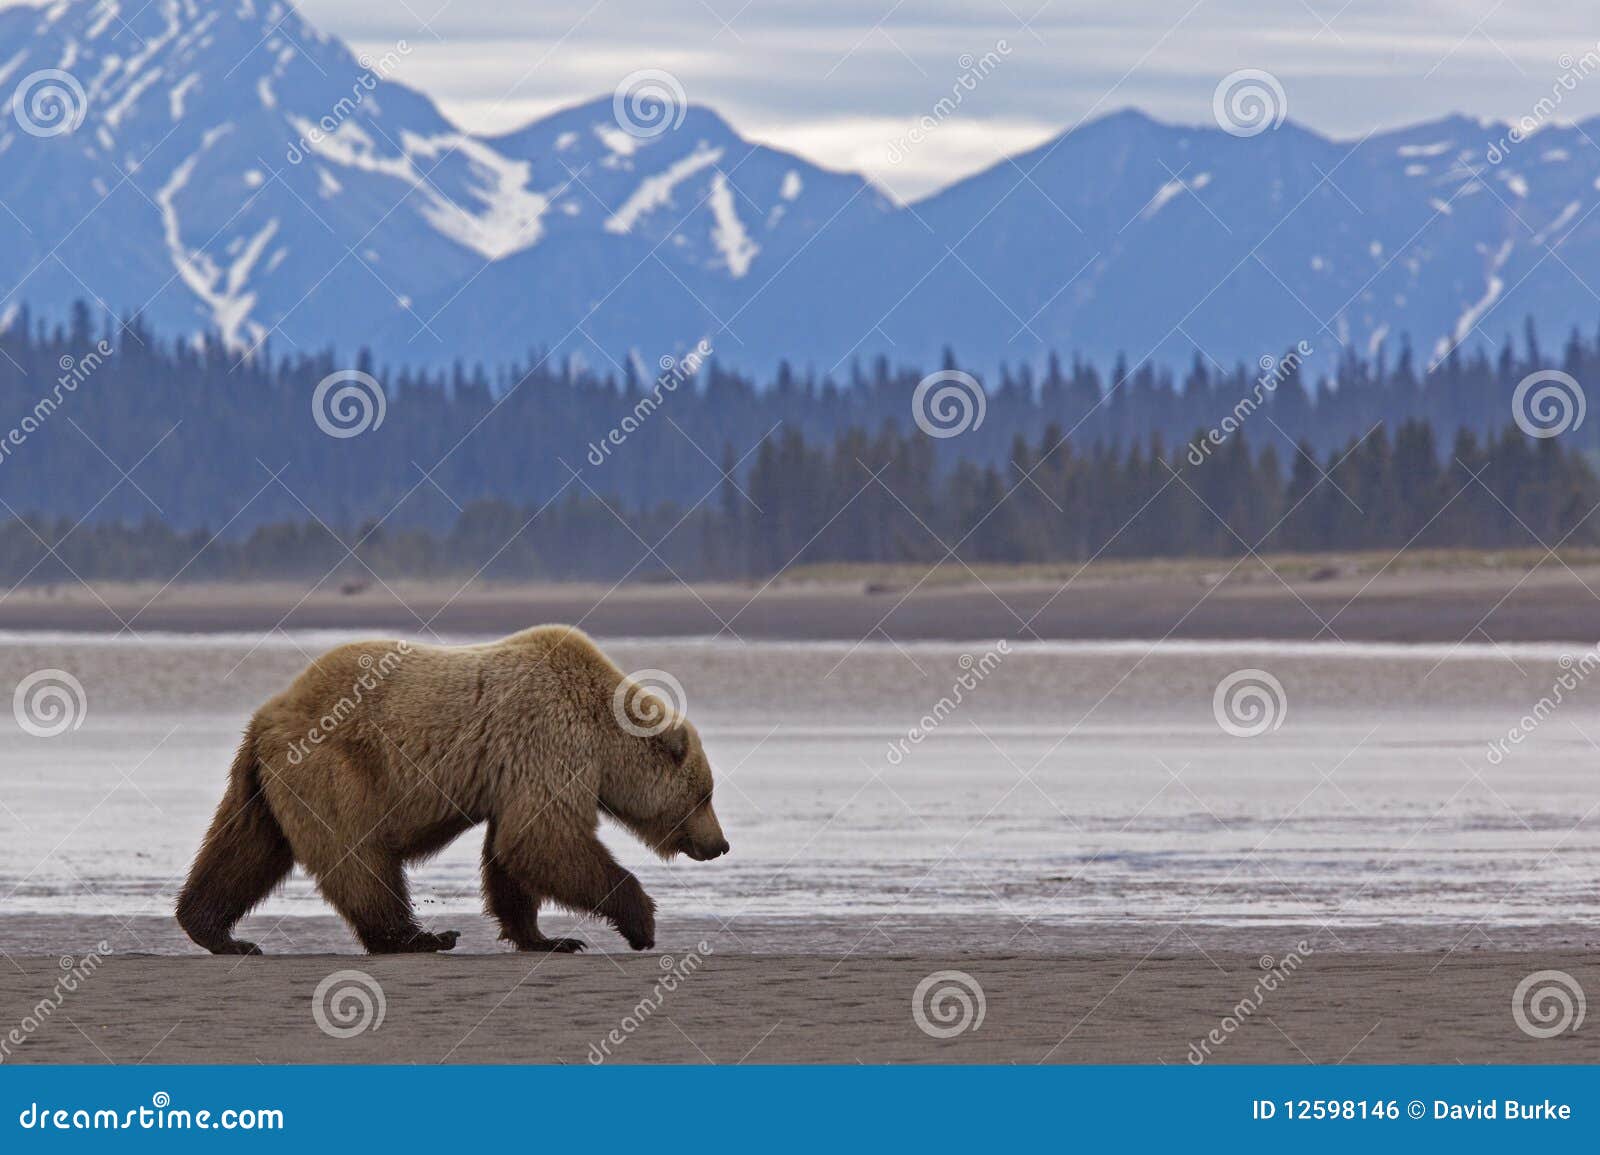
point(222, 166)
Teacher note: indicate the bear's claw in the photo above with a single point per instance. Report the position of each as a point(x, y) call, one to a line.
point(553, 946)
point(420, 942)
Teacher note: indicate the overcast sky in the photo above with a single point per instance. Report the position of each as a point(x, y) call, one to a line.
point(840, 80)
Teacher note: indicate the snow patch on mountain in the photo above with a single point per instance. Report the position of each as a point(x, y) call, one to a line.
point(107, 12)
point(1475, 312)
point(1559, 223)
point(512, 214)
point(620, 143)
point(178, 94)
point(223, 290)
point(656, 191)
point(729, 234)
point(505, 216)
point(1171, 189)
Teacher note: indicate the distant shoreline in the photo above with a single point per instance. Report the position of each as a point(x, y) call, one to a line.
point(1445, 598)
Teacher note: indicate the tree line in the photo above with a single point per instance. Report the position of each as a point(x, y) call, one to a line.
point(132, 456)
point(879, 499)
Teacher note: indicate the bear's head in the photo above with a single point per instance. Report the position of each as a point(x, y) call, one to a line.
point(666, 801)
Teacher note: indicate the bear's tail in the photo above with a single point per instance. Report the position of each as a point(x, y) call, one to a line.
point(245, 854)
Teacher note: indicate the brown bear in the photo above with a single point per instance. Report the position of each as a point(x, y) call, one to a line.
point(381, 753)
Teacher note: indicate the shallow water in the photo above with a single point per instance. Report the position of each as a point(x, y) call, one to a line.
point(1072, 783)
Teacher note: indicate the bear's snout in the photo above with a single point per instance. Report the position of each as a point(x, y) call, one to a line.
point(703, 839)
point(705, 852)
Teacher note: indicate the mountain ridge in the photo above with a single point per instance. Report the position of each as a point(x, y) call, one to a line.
point(227, 168)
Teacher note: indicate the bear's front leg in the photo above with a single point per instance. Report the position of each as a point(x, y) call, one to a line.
point(630, 909)
point(579, 873)
point(516, 908)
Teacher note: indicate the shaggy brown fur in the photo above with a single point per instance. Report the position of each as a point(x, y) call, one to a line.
point(381, 753)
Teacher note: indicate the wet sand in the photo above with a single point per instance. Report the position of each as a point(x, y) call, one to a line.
point(1506, 598)
point(731, 1008)
point(1084, 842)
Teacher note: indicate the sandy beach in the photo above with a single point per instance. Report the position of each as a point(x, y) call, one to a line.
point(1081, 1008)
point(1448, 597)
point(1090, 848)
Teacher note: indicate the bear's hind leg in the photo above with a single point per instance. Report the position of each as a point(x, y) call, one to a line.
point(368, 888)
point(244, 856)
point(516, 908)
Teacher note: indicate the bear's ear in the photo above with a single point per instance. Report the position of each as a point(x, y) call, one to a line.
point(675, 740)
